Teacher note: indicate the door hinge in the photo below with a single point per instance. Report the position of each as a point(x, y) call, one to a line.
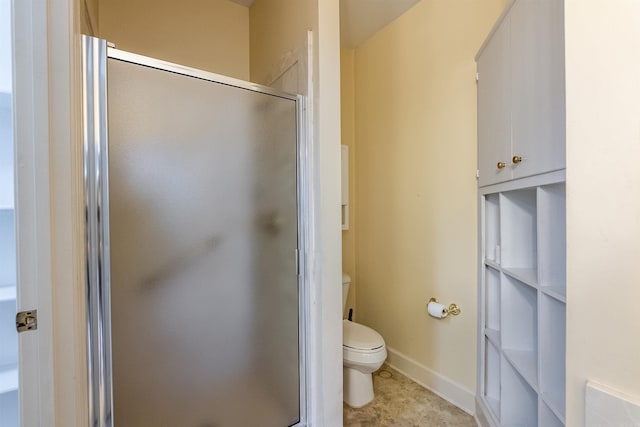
point(477, 76)
point(477, 173)
point(27, 320)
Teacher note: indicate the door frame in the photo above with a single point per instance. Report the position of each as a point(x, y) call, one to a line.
point(48, 227)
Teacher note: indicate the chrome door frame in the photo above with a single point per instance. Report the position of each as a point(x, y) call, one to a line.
point(96, 195)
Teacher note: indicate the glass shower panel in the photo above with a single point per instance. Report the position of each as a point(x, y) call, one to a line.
point(203, 233)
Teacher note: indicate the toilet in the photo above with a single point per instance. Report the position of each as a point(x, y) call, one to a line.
point(363, 352)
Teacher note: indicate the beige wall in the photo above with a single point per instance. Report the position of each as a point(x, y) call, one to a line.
point(603, 198)
point(416, 196)
point(278, 29)
point(212, 35)
point(89, 17)
point(347, 113)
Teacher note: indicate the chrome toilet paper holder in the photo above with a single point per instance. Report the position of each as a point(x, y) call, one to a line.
point(453, 309)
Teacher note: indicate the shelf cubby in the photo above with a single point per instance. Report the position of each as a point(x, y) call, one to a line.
point(492, 377)
point(519, 334)
point(8, 409)
point(552, 241)
point(548, 418)
point(518, 401)
point(518, 233)
point(492, 299)
point(8, 334)
point(552, 353)
point(7, 248)
point(492, 228)
point(6, 152)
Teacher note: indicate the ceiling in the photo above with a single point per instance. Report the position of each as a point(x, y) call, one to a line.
point(246, 3)
point(360, 19)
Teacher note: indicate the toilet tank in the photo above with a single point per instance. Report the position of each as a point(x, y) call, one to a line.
point(346, 281)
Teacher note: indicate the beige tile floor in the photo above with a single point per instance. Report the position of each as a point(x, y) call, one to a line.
point(403, 403)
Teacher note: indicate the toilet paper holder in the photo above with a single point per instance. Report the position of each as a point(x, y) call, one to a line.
point(453, 309)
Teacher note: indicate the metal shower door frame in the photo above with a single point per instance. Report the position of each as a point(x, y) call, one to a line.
point(96, 196)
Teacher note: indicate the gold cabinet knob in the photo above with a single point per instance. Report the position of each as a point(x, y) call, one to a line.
point(516, 160)
point(501, 165)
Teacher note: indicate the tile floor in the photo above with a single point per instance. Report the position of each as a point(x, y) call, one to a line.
point(403, 403)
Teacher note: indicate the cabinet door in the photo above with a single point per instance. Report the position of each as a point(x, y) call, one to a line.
point(494, 128)
point(537, 93)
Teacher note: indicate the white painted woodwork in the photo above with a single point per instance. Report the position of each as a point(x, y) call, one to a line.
point(522, 304)
point(494, 129)
point(521, 93)
point(537, 86)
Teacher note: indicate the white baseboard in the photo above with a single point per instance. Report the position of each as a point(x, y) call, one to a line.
point(439, 384)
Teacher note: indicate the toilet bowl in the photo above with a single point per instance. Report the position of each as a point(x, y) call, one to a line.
point(363, 352)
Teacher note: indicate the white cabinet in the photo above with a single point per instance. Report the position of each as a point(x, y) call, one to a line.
point(521, 113)
point(522, 304)
point(522, 266)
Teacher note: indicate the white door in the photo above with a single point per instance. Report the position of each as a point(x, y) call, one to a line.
point(537, 94)
point(494, 127)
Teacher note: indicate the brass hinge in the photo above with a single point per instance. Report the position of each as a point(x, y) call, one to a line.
point(27, 320)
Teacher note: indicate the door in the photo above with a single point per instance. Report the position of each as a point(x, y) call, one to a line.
point(537, 95)
point(494, 109)
point(194, 221)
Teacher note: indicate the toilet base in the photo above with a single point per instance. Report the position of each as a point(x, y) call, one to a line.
point(358, 387)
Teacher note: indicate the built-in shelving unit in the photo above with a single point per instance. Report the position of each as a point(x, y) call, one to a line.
point(524, 305)
point(521, 180)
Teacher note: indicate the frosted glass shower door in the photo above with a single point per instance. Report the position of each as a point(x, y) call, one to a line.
point(203, 244)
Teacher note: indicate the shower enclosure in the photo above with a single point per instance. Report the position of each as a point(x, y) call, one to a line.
point(193, 209)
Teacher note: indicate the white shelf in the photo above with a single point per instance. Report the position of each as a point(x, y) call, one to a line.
point(556, 292)
point(8, 378)
point(7, 293)
point(525, 362)
point(492, 264)
point(528, 276)
point(548, 418)
point(493, 336)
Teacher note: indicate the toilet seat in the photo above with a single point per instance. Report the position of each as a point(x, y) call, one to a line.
point(360, 338)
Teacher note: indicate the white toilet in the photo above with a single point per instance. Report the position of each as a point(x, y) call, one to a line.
point(363, 352)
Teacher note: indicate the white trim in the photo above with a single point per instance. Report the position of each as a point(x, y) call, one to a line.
point(528, 181)
point(33, 226)
point(444, 387)
point(66, 212)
